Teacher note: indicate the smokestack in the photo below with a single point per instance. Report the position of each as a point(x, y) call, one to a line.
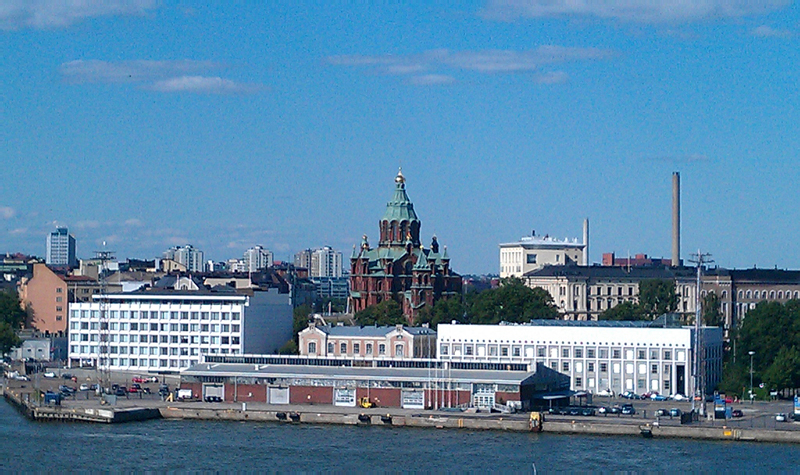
point(586, 241)
point(676, 219)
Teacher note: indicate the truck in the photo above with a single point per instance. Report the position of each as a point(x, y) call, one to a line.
point(184, 394)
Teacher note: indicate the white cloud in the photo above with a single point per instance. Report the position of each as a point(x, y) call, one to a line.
point(87, 224)
point(16, 14)
point(647, 11)
point(552, 77)
point(7, 212)
point(133, 222)
point(766, 31)
point(204, 85)
point(90, 71)
point(431, 80)
point(18, 231)
point(484, 62)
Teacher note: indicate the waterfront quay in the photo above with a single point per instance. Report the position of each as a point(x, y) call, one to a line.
point(758, 424)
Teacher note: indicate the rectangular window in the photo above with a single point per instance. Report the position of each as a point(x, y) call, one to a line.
point(330, 348)
point(235, 315)
point(603, 353)
point(565, 366)
point(603, 367)
point(442, 349)
point(184, 315)
point(226, 316)
point(214, 315)
point(578, 352)
point(615, 353)
point(226, 328)
point(653, 354)
point(516, 351)
point(578, 381)
point(195, 315)
point(398, 350)
point(369, 348)
point(164, 338)
point(590, 366)
point(381, 349)
point(343, 348)
point(184, 327)
point(590, 353)
point(667, 355)
point(654, 369)
point(226, 340)
point(357, 348)
point(565, 352)
point(541, 351)
point(640, 354)
point(312, 347)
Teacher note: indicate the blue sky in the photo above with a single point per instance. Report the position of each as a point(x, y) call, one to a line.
point(151, 123)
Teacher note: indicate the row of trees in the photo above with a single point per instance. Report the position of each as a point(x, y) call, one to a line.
point(512, 302)
point(772, 331)
point(11, 318)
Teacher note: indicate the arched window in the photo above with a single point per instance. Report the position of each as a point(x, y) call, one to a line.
point(780, 295)
point(740, 295)
point(724, 294)
point(771, 294)
point(748, 294)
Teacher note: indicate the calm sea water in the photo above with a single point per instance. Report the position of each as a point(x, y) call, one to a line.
point(224, 446)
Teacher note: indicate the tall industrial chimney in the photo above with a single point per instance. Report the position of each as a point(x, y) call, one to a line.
point(676, 219)
point(586, 242)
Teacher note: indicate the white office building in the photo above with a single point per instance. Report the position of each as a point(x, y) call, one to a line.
point(168, 331)
point(535, 251)
point(617, 356)
point(326, 262)
point(257, 258)
point(188, 256)
point(61, 249)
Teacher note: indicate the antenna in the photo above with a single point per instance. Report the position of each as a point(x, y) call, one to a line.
point(699, 365)
point(103, 360)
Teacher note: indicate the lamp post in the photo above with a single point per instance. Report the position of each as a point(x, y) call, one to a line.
point(751, 353)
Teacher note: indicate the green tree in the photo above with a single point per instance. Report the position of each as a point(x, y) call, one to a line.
point(784, 372)
point(12, 316)
point(512, 302)
point(443, 311)
point(289, 348)
point(387, 312)
point(626, 311)
point(712, 316)
point(657, 297)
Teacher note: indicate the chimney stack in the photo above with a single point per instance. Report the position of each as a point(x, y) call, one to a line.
point(676, 219)
point(586, 242)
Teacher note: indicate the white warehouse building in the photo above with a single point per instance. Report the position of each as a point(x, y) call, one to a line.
point(598, 356)
point(169, 331)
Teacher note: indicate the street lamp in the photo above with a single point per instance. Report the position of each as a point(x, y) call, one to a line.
point(751, 353)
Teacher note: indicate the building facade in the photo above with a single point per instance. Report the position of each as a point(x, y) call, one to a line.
point(257, 258)
point(325, 262)
point(188, 256)
point(386, 342)
point(61, 249)
point(170, 330)
point(583, 293)
point(597, 356)
point(400, 268)
point(534, 252)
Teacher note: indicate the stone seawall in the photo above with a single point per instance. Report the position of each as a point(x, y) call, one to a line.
point(482, 423)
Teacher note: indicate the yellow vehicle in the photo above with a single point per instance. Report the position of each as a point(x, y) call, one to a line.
point(536, 421)
point(365, 403)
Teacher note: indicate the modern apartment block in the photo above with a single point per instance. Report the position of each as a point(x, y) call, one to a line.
point(188, 256)
point(170, 330)
point(321, 262)
point(61, 249)
point(597, 356)
point(257, 258)
point(534, 252)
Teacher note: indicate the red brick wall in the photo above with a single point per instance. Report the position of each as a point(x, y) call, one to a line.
point(504, 396)
point(384, 397)
point(242, 393)
point(197, 389)
point(319, 395)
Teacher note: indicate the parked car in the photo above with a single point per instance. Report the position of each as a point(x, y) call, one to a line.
point(737, 413)
point(49, 374)
point(151, 379)
point(630, 395)
point(679, 397)
point(675, 412)
point(605, 393)
point(66, 376)
point(213, 399)
point(603, 410)
point(587, 411)
point(616, 409)
point(135, 388)
point(780, 417)
point(628, 410)
point(121, 391)
point(66, 389)
point(138, 379)
point(84, 387)
point(658, 397)
point(574, 411)
point(22, 377)
point(662, 413)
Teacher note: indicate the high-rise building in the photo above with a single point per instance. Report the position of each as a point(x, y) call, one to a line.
point(188, 256)
point(257, 258)
point(326, 262)
point(61, 248)
point(303, 259)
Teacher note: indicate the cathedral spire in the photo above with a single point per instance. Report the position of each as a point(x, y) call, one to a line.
point(399, 221)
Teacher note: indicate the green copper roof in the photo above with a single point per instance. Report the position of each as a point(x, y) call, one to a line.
point(400, 208)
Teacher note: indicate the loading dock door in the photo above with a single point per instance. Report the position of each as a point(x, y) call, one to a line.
point(214, 390)
point(278, 395)
point(344, 397)
point(412, 399)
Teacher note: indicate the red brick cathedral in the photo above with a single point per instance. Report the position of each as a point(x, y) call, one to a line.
point(401, 268)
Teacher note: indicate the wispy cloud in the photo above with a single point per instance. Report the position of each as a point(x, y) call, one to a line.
point(18, 231)
point(766, 31)
point(434, 66)
point(552, 77)
point(7, 212)
point(161, 76)
point(93, 71)
point(431, 80)
point(204, 85)
point(17, 14)
point(133, 222)
point(646, 11)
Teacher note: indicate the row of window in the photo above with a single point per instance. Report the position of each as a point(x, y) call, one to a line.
point(176, 339)
point(152, 362)
point(154, 315)
point(641, 384)
point(77, 350)
point(763, 295)
point(154, 327)
point(541, 352)
point(368, 347)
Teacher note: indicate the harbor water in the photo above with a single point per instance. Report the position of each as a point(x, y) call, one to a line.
point(163, 445)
